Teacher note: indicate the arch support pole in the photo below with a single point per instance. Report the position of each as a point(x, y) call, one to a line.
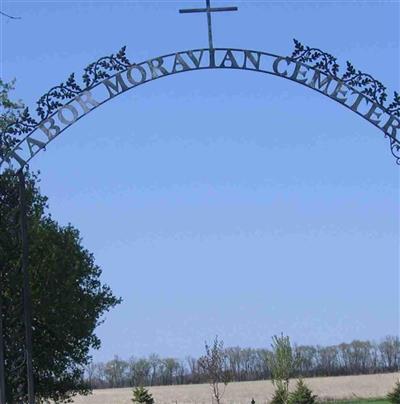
point(27, 302)
point(2, 372)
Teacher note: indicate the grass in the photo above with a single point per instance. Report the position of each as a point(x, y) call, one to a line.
point(365, 401)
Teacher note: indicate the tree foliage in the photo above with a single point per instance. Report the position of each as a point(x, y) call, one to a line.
point(302, 394)
point(281, 395)
point(282, 364)
point(68, 298)
point(9, 112)
point(142, 396)
point(394, 396)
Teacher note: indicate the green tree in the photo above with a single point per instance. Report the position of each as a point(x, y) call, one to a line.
point(282, 366)
point(9, 113)
point(68, 297)
point(142, 396)
point(302, 394)
point(281, 395)
point(394, 396)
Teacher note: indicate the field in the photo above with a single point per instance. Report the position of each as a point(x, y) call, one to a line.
point(352, 388)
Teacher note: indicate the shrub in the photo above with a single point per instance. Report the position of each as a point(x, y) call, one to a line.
point(280, 396)
point(394, 396)
point(302, 394)
point(142, 396)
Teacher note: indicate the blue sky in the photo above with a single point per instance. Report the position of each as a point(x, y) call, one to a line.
point(222, 202)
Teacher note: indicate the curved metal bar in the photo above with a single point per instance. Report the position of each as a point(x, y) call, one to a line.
point(121, 66)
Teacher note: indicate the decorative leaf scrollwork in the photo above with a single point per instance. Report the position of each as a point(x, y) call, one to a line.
point(369, 86)
point(48, 103)
point(23, 124)
point(373, 89)
point(394, 106)
point(395, 149)
point(319, 59)
point(105, 67)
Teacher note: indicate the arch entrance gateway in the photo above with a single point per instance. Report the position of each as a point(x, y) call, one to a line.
point(113, 75)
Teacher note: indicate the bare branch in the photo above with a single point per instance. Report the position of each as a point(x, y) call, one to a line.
point(9, 16)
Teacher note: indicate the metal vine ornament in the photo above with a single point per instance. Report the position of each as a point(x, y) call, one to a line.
point(373, 89)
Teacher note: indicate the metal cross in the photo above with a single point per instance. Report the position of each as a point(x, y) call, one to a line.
point(208, 10)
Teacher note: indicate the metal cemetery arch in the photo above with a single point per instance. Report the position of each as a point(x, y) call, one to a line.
point(113, 75)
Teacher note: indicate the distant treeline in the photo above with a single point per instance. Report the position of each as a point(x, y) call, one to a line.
point(247, 364)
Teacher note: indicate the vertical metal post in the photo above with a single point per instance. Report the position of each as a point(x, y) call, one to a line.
point(209, 10)
point(2, 373)
point(210, 38)
point(26, 287)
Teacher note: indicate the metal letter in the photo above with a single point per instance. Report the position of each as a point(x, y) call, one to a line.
point(229, 57)
point(372, 112)
point(159, 67)
point(357, 102)
point(15, 156)
point(302, 73)
point(34, 142)
point(62, 118)
point(338, 90)
point(276, 65)
point(179, 62)
point(119, 82)
point(389, 124)
point(48, 130)
point(325, 82)
point(248, 55)
point(194, 59)
point(212, 57)
point(142, 73)
point(85, 102)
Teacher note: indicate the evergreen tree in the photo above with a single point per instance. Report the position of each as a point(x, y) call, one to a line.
point(394, 396)
point(280, 396)
point(142, 396)
point(302, 394)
